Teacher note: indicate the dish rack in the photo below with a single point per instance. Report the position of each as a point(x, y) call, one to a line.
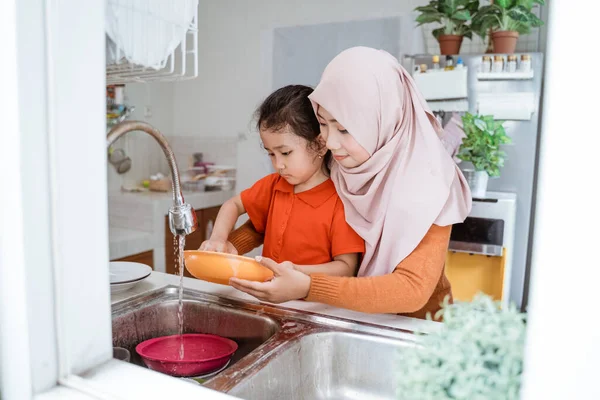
point(150, 41)
point(217, 177)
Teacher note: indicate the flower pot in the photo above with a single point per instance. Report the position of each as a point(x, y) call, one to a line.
point(505, 42)
point(478, 181)
point(450, 44)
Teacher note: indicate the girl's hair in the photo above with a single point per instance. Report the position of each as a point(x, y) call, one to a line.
point(290, 106)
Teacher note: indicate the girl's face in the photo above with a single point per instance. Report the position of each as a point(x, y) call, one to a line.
point(291, 156)
point(345, 149)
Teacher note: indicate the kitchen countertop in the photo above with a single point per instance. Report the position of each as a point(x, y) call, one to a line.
point(129, 381)
point(164, 200)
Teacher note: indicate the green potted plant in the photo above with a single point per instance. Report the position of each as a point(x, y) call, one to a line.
point(481, 147)
point(506, 19)
point(454, 16)
point(477, 354)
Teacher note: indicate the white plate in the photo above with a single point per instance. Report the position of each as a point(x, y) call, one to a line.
point(123, 287)
point(128, 272)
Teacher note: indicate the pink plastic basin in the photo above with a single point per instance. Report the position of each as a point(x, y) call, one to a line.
point(203, 354)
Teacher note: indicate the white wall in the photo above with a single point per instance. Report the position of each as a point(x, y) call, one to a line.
point(144, 152)
point(235, 75)
point(234, 78)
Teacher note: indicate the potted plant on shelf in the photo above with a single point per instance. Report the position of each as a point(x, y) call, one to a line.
point(506, 19)
point(454, 16)
point(481, 147)
point(477, 354)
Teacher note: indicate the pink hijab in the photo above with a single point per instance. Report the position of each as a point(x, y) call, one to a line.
point(410, 181)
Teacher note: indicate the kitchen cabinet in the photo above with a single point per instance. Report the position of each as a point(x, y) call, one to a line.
point(206, 220)
point(146, 257)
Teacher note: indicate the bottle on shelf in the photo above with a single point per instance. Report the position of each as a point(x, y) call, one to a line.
point(486, 64)
point(498, 65)
point(436, 63)
point(449, 63)
point(511, 65)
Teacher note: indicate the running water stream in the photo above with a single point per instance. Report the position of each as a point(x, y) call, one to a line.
point(181, 265)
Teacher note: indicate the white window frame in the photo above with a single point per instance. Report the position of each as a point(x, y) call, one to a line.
point(55, 312)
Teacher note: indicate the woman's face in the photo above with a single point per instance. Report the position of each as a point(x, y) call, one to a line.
point(345, 149)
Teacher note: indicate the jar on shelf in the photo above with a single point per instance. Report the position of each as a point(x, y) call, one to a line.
point(498, 65)
point(436, 62)
point(511, 65)
point(525, 65)
point(486, 64)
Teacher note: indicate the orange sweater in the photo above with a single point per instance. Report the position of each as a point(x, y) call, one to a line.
point(417, 286)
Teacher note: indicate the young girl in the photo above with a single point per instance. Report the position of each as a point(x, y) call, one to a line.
point(297, 209)
point(401, 190)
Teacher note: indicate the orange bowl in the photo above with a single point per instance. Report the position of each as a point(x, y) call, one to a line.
point(219, 267)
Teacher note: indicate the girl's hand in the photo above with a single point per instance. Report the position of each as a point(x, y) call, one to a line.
point(218, 246)
point(287, 283)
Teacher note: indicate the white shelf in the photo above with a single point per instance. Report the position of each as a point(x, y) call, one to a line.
point(461, 105)
point(504, 76)
point(442, 85)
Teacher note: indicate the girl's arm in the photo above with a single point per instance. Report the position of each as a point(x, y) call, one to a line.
point(226, 218)
point(342, 265)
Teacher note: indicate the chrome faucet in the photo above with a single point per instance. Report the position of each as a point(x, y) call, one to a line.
point(182, 217)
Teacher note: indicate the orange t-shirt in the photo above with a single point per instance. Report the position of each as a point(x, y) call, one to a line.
point(304, 228)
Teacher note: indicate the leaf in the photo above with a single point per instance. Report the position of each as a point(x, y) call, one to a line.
point(521, 14)
point(480, 124)
point(487, 17)
point(540, 2)
point(427, 9)
point(437, 32)
point(428, 18)
point(528, 4)
point(505, 4)
point(462, 15)
point(473, 6)
point(535, 21)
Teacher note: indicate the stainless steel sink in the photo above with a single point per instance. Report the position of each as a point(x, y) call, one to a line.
point(328, 365)
point(283, 353)
point(156, 315)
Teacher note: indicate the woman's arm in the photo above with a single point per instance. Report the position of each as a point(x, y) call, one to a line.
point(246, 238)
point(408, 289)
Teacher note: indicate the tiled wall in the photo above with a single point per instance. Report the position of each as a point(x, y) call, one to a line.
point(148, 159)
point(219, 150)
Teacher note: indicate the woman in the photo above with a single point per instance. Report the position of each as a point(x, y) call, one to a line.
point(401, 192)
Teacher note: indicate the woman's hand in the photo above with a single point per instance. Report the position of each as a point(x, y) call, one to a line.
point(219, 246)
point(287, 283)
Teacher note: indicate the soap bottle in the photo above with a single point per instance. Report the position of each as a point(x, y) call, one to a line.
point(459, 63)
point(449, 63)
